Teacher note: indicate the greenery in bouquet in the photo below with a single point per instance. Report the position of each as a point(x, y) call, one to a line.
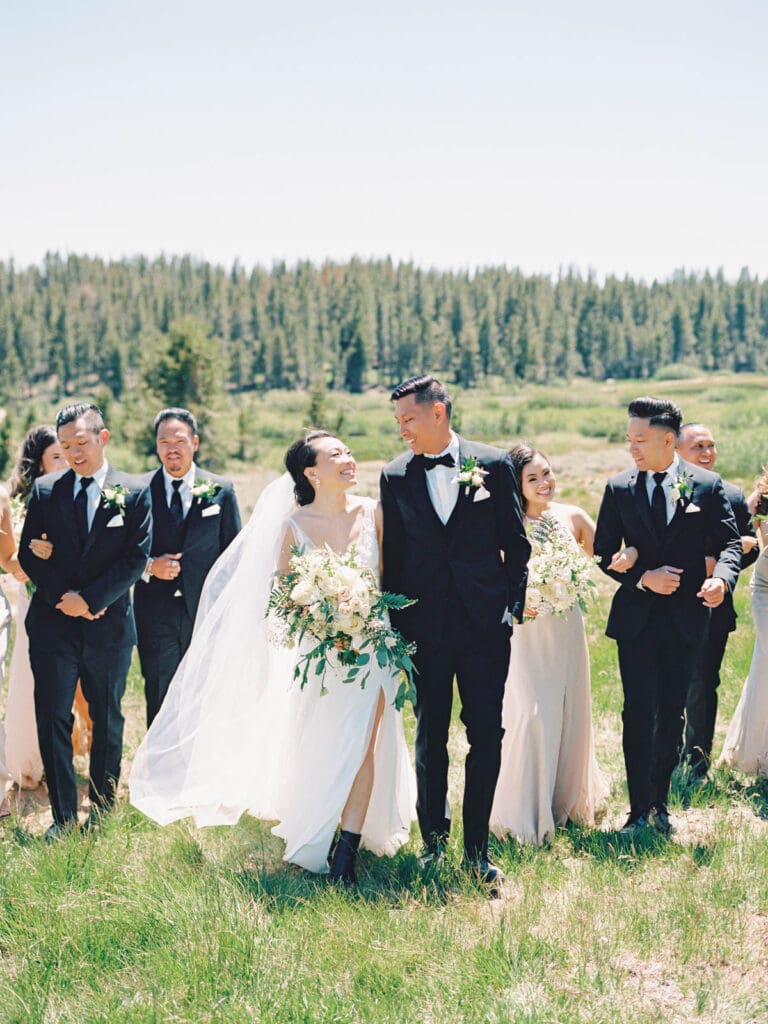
point(559, 575)
point(336, 602)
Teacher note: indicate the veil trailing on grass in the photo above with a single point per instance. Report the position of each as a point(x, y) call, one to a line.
point(213, 750)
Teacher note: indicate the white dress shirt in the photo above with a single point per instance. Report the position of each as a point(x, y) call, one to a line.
point(187, 483)
point(672, 471)
point(443, 491)
point(93, 494)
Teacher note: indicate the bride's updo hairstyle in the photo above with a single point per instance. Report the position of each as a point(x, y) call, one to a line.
point(300, 456)
point(521, 455)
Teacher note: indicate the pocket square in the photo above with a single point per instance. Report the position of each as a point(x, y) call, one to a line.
point(692, 508)
point(212, 510)
point(116, 521)
point(481, 494)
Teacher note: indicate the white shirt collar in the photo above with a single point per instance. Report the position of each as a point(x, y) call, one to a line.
point(672, 468)
point(99, 476)
point(452, 448)
point(187, 481)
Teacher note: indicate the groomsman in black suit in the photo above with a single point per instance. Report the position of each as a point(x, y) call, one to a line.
point(195, 518)
point(80, 621)
point(697, 446)
point(454, 539)
point(674, 514)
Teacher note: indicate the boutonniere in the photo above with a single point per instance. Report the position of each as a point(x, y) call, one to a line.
point(205, 489)
point(470, 474)
point(114, 497)
point(681, 489)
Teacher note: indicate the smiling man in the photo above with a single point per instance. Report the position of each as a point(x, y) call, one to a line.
point(80, 621)
point(674, 514)
point(195, 517)
point(697, 446)
point(454, 540)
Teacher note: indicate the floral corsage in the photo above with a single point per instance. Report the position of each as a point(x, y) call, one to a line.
point(681, 488)
point(114, 497)
point(470, 474)
point(205, 489)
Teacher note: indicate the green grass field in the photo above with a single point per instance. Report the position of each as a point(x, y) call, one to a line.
point(141, 924)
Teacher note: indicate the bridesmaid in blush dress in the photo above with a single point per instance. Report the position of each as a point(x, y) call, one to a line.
point(9, 563)
point(746, 742)
point(549, 773)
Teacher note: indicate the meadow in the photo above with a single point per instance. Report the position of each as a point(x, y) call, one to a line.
point(139, 924)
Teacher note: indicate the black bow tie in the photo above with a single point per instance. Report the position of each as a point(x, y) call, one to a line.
point(441, 460)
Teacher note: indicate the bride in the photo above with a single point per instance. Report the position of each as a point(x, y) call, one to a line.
point(236, 733)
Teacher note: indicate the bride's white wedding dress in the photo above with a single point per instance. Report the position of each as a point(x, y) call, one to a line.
point(549, 774)
point(236, 733)
point(746, 742)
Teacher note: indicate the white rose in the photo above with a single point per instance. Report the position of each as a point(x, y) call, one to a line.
point(302, 592)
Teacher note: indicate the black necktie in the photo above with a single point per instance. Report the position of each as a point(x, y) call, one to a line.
point(176, 508)
point(81, 509)
point(441, 460)
point(659, 504)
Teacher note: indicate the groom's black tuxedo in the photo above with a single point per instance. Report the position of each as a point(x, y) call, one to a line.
point(62, 648)
point(166, 609)
point(658, 635)
point(464, 575)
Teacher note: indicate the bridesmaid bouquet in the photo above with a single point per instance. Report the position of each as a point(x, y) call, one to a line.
point(18, 514)
point(335, 601)
point(559, 576)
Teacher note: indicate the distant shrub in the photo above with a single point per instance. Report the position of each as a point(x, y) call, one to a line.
point(678, 371)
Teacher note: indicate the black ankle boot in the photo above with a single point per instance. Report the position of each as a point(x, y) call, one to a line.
point(343, 863)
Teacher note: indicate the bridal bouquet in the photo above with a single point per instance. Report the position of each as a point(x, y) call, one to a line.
point(559, 576)
point(18, 513)
point(335, 601)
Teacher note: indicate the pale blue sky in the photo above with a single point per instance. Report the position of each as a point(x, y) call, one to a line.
point(613, 137)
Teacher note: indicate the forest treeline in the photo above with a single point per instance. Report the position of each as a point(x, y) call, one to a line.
point(76, 320)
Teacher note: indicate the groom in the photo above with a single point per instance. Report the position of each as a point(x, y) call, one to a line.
point(454, 540)
point(674, 514)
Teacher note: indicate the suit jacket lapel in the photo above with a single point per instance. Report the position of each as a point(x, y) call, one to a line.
point(466, 494)
point(639, 490)
point(416, 478)
point(101, 516)
point(65, 491)
point(676, 522)
point(194, 516)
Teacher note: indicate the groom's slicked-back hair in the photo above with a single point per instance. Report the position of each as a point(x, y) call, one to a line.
point(299, 457)
point(176, 413)
point(92, 414)
point(424, 388)
point(660, 412)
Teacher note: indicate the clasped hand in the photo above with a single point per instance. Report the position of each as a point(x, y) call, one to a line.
point(75, 606)
point(166, 567)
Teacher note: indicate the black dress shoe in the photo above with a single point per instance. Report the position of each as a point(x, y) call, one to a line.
point(636, 822)
point(486, 873)
point(58, 830)
point(92, 822)
point(659, 818)
point(432, 856)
